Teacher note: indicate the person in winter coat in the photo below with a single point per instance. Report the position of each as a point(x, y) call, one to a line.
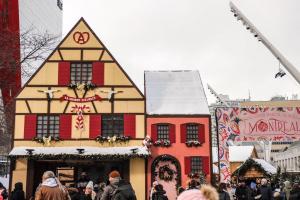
point(89, 191)
point(74, 193)
point(100, 191)
point(124, 191)
point(287, 189)
point(159, 193)
point(51, 188)
point(243, 192)
point(152, 189)
point(114, 179)
point(295, 192)
point(3, 191)
point(223, 194)
point(18, 193)
point(265, 191)
point(205, 193)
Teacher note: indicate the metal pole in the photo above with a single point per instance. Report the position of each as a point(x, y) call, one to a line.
point(287, 65)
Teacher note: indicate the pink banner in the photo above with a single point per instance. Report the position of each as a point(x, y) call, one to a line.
point(253, 124)
point(80, 100)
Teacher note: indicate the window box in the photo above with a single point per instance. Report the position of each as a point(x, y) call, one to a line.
point(162, 143)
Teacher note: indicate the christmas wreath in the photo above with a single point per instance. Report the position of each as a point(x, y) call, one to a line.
point(114, 139)
point(162, 143)
point(166, 173)
point(192, 143)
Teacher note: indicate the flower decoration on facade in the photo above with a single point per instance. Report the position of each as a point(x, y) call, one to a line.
point(166, 173)
point(82, 86)
point(193, 143)
point(46, 140)
point(79, 111)
point(162, 143)
point(111, 140)
point(200, 177)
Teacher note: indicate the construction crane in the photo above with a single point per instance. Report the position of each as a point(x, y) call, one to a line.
point(261, 38)
point(219, 98)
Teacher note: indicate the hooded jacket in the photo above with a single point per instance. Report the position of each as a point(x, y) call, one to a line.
point(109, 189)
point(124, 191)
point(18, 193)
point(50, 190)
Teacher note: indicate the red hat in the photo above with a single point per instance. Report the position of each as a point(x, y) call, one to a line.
point(114, 174)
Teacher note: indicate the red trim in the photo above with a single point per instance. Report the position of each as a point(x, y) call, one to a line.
point(64, 73)
point(205, 164)
point(30, 127)
point(95, 126)
point(98, 73)
point(129, 125)
point(172, 134)
point(187, 165)
point(201, 133)
point(154, 132)
point(65, 126)
point(183, 133)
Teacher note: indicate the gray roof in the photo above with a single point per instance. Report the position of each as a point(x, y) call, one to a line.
point(175, 92)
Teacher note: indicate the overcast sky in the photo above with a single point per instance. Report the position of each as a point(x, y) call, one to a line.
point(198, 34)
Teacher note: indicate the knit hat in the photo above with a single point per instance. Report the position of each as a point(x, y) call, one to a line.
point(205, 193)
point(114, 174)
point(90, 185)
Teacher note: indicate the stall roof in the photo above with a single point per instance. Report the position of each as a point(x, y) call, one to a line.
point(73, 152)
point(175, 92)
point(240, 153)
point(267, 166)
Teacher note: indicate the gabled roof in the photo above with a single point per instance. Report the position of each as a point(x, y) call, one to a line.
point(175, 92)
point(240, 153)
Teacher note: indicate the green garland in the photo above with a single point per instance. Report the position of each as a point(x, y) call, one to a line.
point(173, 161)
point(87, 86)
point(248, 164)
point(79, 156)
point(41, 140)
point(114, 139)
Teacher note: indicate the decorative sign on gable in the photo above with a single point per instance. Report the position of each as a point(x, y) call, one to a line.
point(81, 37)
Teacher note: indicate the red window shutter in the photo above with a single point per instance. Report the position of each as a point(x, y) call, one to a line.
point(65, 126)
point(154, 132)
point(201, 133)
point(98, 73)
point(30, 127)
point(95, 126)
point(129, 125)
point(205, 164)
point(172, 133)
point(64, 73)
point(187, 165)
point(183, 133)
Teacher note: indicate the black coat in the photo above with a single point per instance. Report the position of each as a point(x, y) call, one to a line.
point(124, 192)
point(243, 193)
point(295, 194)
point(159, 195)
point(17, 195)
point(266, 192)
point(224, 195)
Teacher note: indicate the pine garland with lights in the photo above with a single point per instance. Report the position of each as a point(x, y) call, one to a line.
point(42, 139)
point(248, 164)
point(114, 139)
point(79, 156)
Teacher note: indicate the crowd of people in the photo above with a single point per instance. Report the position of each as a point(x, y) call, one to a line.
point(262, 190)
point(117, 188)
